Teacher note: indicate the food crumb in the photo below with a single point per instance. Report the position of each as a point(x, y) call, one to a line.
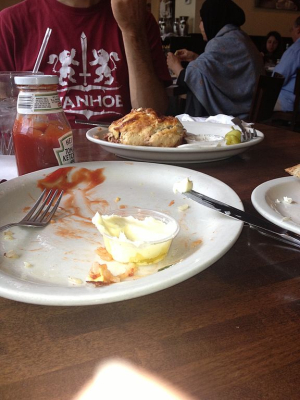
point(288, 200)
point(117, 199)
point(8, 235)
point(183, 207)
point(75, 281)
point(183, 186)
point(11, 254)
point(27, 264)
point(286, 218)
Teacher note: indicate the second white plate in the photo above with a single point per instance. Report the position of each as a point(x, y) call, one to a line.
point(268, 199)
point(177, 155)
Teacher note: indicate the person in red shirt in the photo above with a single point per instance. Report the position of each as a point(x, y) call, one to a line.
point(107, 53)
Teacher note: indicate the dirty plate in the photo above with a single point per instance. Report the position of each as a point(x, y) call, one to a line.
point(53, 263)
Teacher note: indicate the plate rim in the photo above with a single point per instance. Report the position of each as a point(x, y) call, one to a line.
point(171, 150)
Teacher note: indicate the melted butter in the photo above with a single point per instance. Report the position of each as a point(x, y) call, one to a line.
point(132, 229)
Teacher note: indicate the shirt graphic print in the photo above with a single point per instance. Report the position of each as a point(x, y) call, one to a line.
point(88, 86)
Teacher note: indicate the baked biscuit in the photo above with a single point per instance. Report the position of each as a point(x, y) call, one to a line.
point(295, 170)
point(143, 127)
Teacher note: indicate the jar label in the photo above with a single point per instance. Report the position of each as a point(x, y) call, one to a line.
point(38, 103)
point(65, 153)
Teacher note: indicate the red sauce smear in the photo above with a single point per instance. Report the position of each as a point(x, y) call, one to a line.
point(63, 179)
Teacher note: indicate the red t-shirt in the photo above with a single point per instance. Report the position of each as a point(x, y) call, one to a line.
point(85, 50)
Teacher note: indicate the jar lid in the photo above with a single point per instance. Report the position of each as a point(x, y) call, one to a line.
point(36, 80)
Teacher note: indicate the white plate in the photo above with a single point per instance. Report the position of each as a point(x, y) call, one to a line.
point(66, 248)
point(266, 196)
point(177, 155)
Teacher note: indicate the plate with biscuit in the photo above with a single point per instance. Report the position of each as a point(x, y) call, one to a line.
point(278, 200)
point(142, 135)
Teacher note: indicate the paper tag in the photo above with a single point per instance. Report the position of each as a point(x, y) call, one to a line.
point(38, 103)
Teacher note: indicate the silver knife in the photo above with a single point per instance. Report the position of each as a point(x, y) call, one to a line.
point(93, 123)
point(259, 224)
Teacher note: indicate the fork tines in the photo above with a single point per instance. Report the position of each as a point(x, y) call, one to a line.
point(42, 214)
point(246, 134)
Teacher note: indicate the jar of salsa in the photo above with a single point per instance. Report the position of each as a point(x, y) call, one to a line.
point(42, 134)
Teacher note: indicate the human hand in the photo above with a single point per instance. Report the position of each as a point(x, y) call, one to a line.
point(130, 15)
point(174, 63)
point(186, 55)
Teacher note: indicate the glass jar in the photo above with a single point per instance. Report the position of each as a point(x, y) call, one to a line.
point(42, 135)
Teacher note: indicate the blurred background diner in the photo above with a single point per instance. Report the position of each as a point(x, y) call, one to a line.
point(288, 67)
point(272, 49)
point(222, 79)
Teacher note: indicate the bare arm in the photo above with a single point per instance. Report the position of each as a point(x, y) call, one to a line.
point(146, 90)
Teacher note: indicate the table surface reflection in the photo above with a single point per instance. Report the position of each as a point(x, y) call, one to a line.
point(230, 332)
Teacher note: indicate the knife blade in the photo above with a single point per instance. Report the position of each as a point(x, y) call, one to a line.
point(93, 123)
point(265, 227)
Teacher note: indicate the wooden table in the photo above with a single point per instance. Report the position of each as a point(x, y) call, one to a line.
point(231, 332)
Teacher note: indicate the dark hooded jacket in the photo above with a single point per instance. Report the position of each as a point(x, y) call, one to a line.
point(222, 79)
point(217, 13)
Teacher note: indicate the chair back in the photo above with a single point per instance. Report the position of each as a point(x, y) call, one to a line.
point(295, 115)
point(265, 96)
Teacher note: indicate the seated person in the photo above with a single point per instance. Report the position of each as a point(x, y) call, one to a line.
point(272, 49)
point(288, 66)
point(222, 79)
point(107, 53)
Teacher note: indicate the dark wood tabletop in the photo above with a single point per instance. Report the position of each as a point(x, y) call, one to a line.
point(230, 332)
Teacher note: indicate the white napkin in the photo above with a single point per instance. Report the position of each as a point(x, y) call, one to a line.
point(216, 119)
point(8, 167)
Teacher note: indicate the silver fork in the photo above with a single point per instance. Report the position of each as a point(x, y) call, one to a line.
point(246, 134)
point(42, 211)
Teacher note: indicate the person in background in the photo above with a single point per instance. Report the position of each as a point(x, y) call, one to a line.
point(288, 66)
point(222, 79)
point(272, 49)
point(107, 53)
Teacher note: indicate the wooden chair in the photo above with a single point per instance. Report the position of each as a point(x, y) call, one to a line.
point(293, 117)
point(265, 96)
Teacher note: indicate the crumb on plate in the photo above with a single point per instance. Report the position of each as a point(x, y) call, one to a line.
point(184, 207)
point(8, 235)
point(11, 254)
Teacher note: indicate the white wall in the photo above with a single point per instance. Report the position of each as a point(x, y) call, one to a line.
point(260, 21)
point(189, 10)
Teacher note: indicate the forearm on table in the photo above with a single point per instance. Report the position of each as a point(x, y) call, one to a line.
point(181, 79)
point(146, 90)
